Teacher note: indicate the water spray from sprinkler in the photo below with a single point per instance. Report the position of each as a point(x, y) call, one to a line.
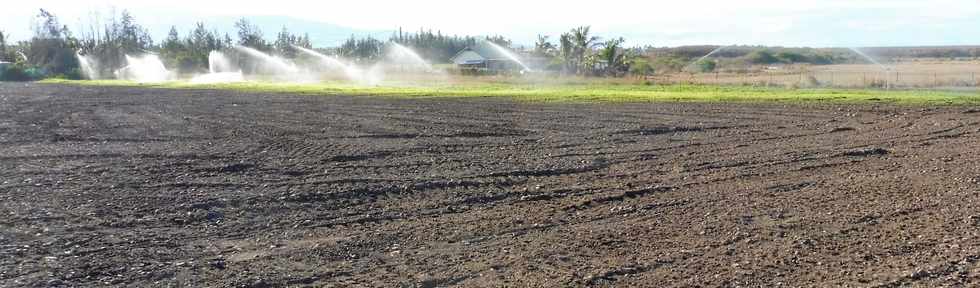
point(402, 55)
point(219, 71)
point(695, 62)
point(88, 66)
point(510, 55)
point(144, 69)
point(870, 59)
point(352, 72)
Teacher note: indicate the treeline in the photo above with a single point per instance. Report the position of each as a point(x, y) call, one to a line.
point(685, 58)
point(189, 54)
point(52, 50)
point(435, 47)
point(576, 52)
point(924, 52)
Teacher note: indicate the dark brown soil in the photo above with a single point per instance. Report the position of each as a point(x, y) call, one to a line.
point(142, 188)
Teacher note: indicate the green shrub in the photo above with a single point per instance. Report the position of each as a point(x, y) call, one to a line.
point(14, 73)
point(706, 65)
point(73, 74)
point(641, 67)
point(791, 57)
point(762, 57)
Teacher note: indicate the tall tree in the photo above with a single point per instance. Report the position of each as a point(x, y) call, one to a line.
point(614, 56)
point(367, 50)
point(52, 47)
point(499, 40)
point(46, 25)
point(3, 46)
point(250, 35)
point(172, 42)
point(543, 47)
point(305, 41)
point(173, 50)
point(109, 44)
point(437, 47)
point(284, 43)
point(132, 38)
point(583, 43)
point(567, 52)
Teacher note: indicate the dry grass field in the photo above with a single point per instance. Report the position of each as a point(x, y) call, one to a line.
point(917, 73)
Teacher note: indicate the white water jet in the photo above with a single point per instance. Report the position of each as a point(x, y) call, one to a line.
point(24, 56)
point(886, 69)
point(350, 71)
point(276, 66)
point(707, 55)
point(872, 60)
point(144, 69)
point(219, 71)
point(88, 66)
point(403, 56)
point(219, 63)
point(510, 55)
point(373, 76)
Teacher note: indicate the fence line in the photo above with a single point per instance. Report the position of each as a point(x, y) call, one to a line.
point(829, 79)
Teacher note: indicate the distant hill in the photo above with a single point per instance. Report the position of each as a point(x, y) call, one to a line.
point(838, 55)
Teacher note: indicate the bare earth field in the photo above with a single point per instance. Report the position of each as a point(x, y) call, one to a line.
point(153, 187)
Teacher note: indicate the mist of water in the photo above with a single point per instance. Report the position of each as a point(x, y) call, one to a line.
point(220, 70)
point(24, 56)
point(88, 66)
point(403, 56)
point(272, 65)
point(144, 69)
point(373, 76)
point(870, 59)
point(351, 72)
point(510, 55)
point(219, 63)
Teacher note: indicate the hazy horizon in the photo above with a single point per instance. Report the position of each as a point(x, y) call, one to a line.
point(805, 23)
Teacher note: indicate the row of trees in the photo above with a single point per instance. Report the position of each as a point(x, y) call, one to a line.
point(191, 52)
point(433, 46)
point(577, 52)
point(109, 45)
point(52, 49)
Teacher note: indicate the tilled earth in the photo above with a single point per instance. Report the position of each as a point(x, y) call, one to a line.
point(148, 187)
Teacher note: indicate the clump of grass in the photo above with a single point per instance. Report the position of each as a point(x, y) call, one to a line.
point(582, 91)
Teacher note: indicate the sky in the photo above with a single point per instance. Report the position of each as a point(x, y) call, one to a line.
point(814, 23)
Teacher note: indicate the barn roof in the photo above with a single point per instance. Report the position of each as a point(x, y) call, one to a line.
point(484, 50)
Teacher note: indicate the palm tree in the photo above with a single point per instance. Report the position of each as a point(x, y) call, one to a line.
point(612, 53)
point(567, 52)
point(543, 47)
point(583, 43)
